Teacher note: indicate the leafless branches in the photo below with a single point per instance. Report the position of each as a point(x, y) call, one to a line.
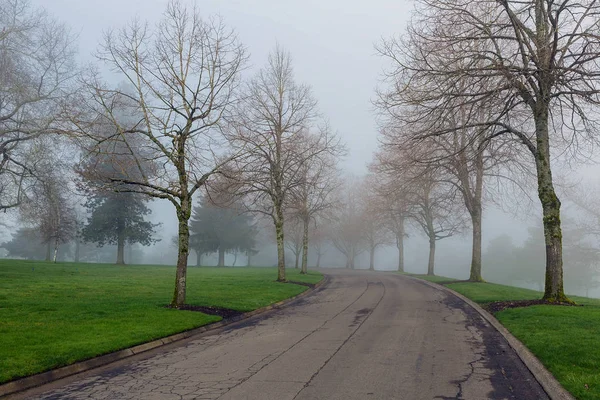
point(181, 78)
point(36, 74)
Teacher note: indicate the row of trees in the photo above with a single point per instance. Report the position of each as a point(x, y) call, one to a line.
point(182, 120)
point(473, 85)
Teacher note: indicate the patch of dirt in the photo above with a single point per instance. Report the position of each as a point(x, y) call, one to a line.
point(221, 312)
point(498, 306)
point(310, 285)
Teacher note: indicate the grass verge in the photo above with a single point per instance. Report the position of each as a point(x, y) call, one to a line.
point(53, 315)
point(431, 278)
point(564, 339)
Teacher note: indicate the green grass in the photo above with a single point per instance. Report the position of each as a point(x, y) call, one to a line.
point(489, 292)
point(565, 339)
point(52, 315)
point(431, 278)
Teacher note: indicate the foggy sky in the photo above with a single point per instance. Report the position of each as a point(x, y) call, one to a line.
point(331, 42)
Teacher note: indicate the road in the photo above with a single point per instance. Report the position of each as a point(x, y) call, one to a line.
point(362, 336)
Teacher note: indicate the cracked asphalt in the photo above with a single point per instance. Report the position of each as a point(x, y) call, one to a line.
point(363, 336)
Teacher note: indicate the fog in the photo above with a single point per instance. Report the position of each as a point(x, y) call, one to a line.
point(332, 46)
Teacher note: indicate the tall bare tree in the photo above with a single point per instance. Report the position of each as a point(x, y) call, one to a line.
point(538, 59)
point(273, 127)
point(345, 229)
point(49, 208)
point(294, 237)
point(181, 80)
point(374, 219)
point(36, 75)
point(314, 195)
point(392, 202)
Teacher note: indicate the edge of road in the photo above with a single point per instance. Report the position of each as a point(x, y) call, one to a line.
point(549, 383)
point(30, 382)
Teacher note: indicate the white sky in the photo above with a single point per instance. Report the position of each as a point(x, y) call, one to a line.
point(331, 42)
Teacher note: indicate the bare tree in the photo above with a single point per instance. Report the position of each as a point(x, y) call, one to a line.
point(392, 202)
point(36, 71)
point(537, 59)
point(181, 80)
point(273, 127)
point(294, 237)
point(314, 195)
point(49, 209)
point(346, 231)
point(374, 220)
point(319, 238)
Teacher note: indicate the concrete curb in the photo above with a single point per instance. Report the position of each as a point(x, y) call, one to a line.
point(43, 378)
point(548, 382)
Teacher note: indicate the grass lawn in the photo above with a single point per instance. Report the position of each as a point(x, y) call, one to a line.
point(52, 315)
point(431, 278)
point(565, 339)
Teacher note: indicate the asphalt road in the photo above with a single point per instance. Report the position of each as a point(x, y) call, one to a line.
point(362, 336)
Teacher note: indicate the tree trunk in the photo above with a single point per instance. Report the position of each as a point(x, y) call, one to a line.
point(198, 258)
point(475, 275)
point(431, 264)
point(400, 246)
point(56, 243)
point(372, 259)
point(48, 251)
point(297, 257)
point(305, 247)
point(235, 255)
point(120, 242)
point(249, 263)
point(183, 215)
point(318, 259)
point(221, 262)
point(553, 291)
point(280, 245)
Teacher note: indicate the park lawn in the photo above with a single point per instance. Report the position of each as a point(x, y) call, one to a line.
point(431, 278)
point(53, 315)
point(565, 339)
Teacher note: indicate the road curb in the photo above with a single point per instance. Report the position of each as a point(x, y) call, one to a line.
point(551, 386)
point(43, 378)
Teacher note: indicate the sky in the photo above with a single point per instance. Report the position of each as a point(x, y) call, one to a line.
point(331, 43)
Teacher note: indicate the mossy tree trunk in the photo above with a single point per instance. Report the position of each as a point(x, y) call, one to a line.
point(554, 290)
point(184, 212)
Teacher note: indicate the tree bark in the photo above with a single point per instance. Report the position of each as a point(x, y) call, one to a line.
point(372, 259)
point(56, 244)
point(280, 245)
point(183, 215)
point(475, 275)
point(221, 262)
point(554, 290)
point(400, 246)
point(305, 247)
point(431, 264)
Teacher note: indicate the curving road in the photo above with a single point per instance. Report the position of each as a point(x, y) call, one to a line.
point(362, 336)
